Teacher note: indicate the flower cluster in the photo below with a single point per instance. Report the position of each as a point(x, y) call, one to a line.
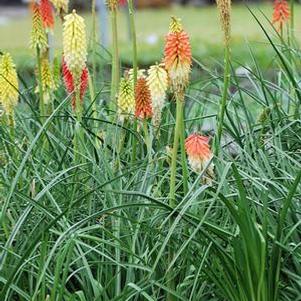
point(178, 57)
point(38, 38)
point(199, 154)
point(75, 43)
point(157, 81)
point(281, 13)
point(47, 14)
point(70, 83)
point(61, 5)
point(224, 7)
point(8, 84)
point(47, 79)
point(126, 98)
point(75, 71)
point(112, 4)
point(143, 107)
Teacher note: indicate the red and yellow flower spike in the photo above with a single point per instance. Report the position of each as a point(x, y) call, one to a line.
point(199, 153)
point(70, 84)
point(126, 98)
point(38, 35)
point(281, 14)
point(75, 44)
point(143, 107)
point(47, 14)
point(178, 58)
point(157, 81)
point(8, 86)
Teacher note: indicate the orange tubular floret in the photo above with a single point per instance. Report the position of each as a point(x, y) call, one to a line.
point(47, 14)
point(177, 50)
point(281, 13)
point(197, 147)
point(143, 100)
point(177, 56)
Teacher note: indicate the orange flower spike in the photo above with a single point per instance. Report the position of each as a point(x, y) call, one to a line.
point(281, 13)
point(47, 14)
point(198, 151)
point(143, 100)
point(178, 58)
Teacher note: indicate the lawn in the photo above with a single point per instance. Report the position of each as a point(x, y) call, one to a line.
point(201, 22)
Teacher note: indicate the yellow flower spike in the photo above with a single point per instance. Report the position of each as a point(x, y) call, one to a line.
point(38, 35)
point(75, 44)
point(175, 25)
point(112, 4)
point(158, 84)
point(126, 99)
point(8, 85)
point(47, 79)
point(61, 5)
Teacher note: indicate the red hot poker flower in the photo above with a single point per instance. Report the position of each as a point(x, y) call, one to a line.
point(281, 13)
point(69, 82)
point(199, 152)
point(178, 56)
point(47, 14)
point(143, 100)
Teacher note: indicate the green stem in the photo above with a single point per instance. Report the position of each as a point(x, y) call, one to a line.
point(183, 152)
point(172, 203)
point(177, 134)
point(135, 64)
point(134, 40)
point(40, 84)
point(94, 106)
point(11, 124)
point(115, 58)
point(147, 141)
point(94, 43)
point(222, 110)
point(78, 134)
point(134, 142)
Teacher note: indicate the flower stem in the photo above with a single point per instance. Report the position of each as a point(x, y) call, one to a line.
point(147, 141)
point(78, 134)
point(177, 134)
point(222, 109)
point(135, 64)
point(183, 153)
point(134, 142)
point(134, 39)
point(40, 84)
point(94, 36)
point(115, 58)
point(172, 203)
